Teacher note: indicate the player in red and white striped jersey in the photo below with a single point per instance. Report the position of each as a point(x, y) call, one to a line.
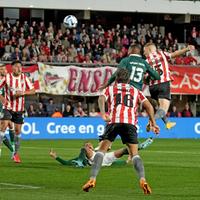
point(160, 89)
point(122, 101)
point(13, 85)
point(16, 85)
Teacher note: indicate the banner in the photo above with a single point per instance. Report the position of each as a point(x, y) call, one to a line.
point(186, 80)
point(93, 127)
point(31, 72)
point(85, 81)
point(72, 80)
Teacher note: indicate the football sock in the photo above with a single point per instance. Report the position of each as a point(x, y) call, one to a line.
point(17, 142)
point(1, 137)
point(160, 113)
point(138, 165)
point(7, 143)
point(165, 119)
point(98, 159)
point(12, 135)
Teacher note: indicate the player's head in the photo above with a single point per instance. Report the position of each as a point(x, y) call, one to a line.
point(122, 75)
point(134, 49)
point(149, 48)
point(16, 67)
point(3, 70)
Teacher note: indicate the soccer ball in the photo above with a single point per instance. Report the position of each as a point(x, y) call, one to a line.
point(70, 21)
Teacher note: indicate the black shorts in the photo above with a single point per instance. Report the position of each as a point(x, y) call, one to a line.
point(16, 117)
point(127, 132)
point(160, 91)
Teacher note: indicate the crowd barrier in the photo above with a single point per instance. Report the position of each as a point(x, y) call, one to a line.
point(91, 128)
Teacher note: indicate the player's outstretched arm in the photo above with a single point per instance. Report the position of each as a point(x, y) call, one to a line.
point(148, 107)
point(182, 51)
point(153, 74)
point(109, 82)
point(101, 102)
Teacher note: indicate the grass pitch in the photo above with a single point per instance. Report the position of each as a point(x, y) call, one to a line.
point(172, 169)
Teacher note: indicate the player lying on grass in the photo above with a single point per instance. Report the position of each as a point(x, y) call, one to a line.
point(87, 154)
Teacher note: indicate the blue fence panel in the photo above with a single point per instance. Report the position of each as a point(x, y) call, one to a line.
point(91, 128)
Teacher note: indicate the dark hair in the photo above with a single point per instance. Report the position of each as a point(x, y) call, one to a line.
point(135, 49)
point(16, 62)
point(122, 75)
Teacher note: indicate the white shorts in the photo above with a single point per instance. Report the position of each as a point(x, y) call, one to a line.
point(108, 159)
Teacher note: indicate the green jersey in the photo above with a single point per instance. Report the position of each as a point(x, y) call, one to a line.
point(137, 68)
point(2, 91)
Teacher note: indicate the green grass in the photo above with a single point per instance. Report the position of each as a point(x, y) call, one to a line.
point(172, 169)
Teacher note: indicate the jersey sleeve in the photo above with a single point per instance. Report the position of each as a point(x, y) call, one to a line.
point(106, 93)
point(167, 55)
point(29, 85)
point(141, 96)
point(154, 75)
point(2, 82)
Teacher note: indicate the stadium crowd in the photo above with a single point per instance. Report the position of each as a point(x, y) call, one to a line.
point(86, 44)
point(80, 109)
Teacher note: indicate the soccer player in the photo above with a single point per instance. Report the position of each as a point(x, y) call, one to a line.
point(123, 102)
point(6, 141)
point(16, 86)
point(137, 68)
point(160, 89)
point(87, 153)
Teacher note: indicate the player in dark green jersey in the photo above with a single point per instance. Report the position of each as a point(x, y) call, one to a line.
point(137, 68)
point(87, 153)
point(9, 144)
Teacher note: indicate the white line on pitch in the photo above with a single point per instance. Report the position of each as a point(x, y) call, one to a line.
point(20, 186)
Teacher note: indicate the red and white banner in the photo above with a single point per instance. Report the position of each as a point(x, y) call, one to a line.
point(85, 81)
point(186, 80)
point(72, 80)
point(31, 72)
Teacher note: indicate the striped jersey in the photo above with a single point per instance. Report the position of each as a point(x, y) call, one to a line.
point(123, 100)
point(11, 85)
point(159, 61)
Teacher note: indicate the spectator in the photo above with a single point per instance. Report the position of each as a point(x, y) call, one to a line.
point(187, 112)
point(31, 111)
point(16, 55)
point(41, 111)
point(51, 107)
point(79, 112)
point(174, 112)
point(68, 112)
point(57, 113)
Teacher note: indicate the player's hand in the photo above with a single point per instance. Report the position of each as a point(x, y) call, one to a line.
point(155, 128)
point(19, 94)
point(52, 154)
point(191, 47)
point(106, 117)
